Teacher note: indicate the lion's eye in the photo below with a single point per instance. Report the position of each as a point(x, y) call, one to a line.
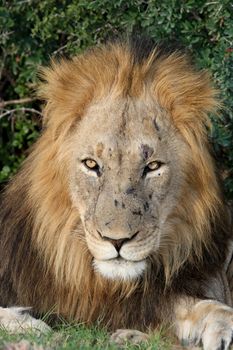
point(152, 167)
point(91, 165)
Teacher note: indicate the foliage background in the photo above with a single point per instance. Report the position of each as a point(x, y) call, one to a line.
point(32, 31)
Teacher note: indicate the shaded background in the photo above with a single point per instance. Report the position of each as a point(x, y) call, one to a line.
point(33, 31)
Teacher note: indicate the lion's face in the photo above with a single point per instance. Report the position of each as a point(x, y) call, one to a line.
point(127, 175)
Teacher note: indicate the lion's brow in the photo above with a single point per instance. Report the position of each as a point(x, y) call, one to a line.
point(147, 151)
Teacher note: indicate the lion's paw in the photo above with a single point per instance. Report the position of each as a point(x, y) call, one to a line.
point(133, 336)
point(14, 319)
point(211, 331)
point(218, 335)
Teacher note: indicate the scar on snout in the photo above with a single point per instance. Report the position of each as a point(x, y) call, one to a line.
point(146, 206)
point(147, 151)
point(156, 125)
point(157, 128)
point(99, 149)
point(130, 190)
point(137, 212)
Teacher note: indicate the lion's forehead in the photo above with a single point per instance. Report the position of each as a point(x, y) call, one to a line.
point(122, 129)
point(122, 116)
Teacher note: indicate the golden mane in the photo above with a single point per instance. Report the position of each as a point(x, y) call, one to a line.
point(69, 86)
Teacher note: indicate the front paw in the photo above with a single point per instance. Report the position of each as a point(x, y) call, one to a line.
point(121, 336)
point(16, 320)
point(210, 327)
point(218, 334)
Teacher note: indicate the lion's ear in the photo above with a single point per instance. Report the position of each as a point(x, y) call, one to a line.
point(66, 91)
point(185, 92)
point(51, 88)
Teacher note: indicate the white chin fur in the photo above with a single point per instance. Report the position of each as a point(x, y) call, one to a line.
point(120, 269)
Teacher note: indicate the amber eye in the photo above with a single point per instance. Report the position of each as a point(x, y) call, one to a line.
point(151, 167)
point(91, 165)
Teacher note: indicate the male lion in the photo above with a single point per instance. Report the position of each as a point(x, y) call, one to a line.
point(117, 215)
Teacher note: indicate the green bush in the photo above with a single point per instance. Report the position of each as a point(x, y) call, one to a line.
point(34, 31)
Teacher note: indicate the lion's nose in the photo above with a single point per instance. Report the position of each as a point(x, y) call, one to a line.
point(117, 243)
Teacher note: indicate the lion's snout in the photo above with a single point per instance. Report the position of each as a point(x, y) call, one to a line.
point(118, 217)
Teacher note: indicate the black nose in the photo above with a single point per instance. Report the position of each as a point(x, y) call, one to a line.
point(117, 243)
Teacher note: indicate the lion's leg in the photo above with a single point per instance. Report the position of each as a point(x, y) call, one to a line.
point(205, 323)
point(15, 319)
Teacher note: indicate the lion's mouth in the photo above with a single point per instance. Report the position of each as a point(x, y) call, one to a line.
point(119, 268)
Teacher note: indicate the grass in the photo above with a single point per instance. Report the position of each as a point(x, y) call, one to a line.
point(73, 338)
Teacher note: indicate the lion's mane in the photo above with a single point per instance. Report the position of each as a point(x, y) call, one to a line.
point(45, 262)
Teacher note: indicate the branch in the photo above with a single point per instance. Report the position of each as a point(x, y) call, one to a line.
point(15, 102)
point(23, 109)
point(62, 48)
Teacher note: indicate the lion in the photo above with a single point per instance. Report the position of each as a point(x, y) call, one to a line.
point(117, 215)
